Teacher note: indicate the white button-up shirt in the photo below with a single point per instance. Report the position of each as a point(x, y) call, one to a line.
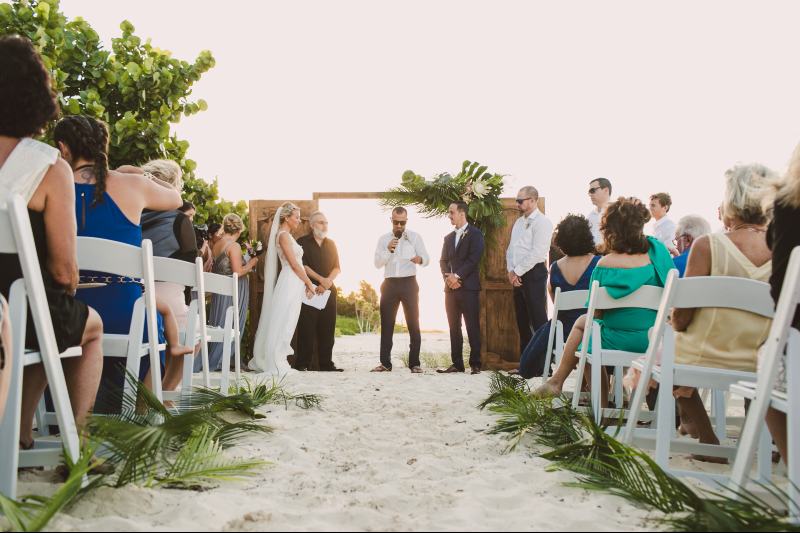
point(530, 242)
point(664, 231)
point(398, 264)
point(594, 224)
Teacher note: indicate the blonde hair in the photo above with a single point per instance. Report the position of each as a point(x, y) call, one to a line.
point(285, 211)
point(789, 190)
point(232, 223)
point(165, 170)
point(748, 188)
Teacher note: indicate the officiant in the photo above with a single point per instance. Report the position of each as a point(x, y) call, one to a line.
point(315, 326)
point(399, 253)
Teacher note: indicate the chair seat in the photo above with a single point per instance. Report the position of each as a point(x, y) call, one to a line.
point(617, 357)
point(34, 358)
point(747, 389)
point(116, 345)
point(701, 376)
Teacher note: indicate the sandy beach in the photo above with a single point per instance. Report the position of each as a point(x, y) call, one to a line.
point(386, 452)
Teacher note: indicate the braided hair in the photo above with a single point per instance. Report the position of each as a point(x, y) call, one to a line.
point(87, 138)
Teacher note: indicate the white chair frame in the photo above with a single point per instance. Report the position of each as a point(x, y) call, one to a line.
point(16, 237)
point(562, 301)
point(695, 293)
point(228, 334)
point(782, 337)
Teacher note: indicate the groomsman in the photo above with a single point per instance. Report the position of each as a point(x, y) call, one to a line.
point(398, 253)
point(460, 264)
point(526, 261)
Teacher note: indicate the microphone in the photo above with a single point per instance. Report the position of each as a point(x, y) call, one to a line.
point(398, 235)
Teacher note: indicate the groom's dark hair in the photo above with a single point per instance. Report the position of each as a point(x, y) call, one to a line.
point(462, 206)
point(399, 210)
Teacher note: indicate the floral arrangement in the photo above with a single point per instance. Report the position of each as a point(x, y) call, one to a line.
point(479, 189)
point(252, 249)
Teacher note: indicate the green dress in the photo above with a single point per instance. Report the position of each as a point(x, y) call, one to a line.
point(627, 328)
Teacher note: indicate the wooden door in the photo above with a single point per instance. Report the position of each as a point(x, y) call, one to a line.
point(499, 334)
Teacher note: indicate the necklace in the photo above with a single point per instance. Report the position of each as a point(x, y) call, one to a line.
point(88, 165)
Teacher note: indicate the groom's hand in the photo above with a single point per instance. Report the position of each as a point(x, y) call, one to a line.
point(320, 289)
point(416, 260)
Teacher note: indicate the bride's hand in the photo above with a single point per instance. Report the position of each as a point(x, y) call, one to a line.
point(309, 293)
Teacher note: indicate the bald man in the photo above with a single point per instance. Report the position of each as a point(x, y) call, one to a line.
point(526, 262)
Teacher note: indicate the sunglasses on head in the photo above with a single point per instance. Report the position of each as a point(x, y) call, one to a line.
point(522, 200)
point(399, 222)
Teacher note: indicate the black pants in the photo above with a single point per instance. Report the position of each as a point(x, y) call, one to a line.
point(461, 303)
point(530, 303)
point(316, 327)
point(396, 291)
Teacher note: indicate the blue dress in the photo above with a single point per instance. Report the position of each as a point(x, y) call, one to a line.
point(114, 302)
point(531, 362)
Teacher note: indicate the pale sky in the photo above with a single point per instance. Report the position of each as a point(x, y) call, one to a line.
point(346, 95)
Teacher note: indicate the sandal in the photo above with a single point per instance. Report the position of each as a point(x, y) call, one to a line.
point(381, 368)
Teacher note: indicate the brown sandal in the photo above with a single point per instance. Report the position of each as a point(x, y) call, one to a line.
point(381, 368)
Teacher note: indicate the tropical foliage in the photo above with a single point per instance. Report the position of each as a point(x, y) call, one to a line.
point(362, 306)
point(601, 462)
point(139, 89)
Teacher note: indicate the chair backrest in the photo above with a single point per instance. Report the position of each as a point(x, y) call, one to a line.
point(175, 271)
point(7, 243)
point(724, 292)
point(569, 300)
point(112, 257)
point(218, 284)
point(645, 297)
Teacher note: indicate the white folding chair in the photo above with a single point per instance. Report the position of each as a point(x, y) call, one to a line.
point(691, 293)
point(228, 334)
point(782, 338)
point(562, 301)
point(189, 275)
point(646, 297)
point(16, 237)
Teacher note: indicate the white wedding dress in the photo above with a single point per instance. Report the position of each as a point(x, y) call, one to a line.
point(279, 316)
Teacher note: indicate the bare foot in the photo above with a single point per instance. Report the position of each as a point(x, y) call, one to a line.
point(179, 350)
point(547, 390)
point(710, 459)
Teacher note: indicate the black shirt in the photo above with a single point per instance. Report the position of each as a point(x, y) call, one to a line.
point(782, 237)
point(321, 259)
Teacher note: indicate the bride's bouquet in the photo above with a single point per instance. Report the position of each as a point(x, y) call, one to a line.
point(252, 249)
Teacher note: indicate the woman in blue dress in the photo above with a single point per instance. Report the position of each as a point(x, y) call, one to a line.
point(108, 205)
point(573, 236)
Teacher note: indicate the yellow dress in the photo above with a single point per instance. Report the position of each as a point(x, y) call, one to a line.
point(725, 338)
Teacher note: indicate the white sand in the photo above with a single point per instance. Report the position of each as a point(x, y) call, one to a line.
point(387, 452)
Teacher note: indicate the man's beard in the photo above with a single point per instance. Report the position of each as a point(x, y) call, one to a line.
point(321, 235)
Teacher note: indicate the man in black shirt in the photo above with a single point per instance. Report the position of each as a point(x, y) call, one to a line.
point(321, 260)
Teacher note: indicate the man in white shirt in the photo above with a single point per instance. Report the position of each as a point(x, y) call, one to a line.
point(600, 195)
point(526, 262)
point(663, 228)
point(399, 253)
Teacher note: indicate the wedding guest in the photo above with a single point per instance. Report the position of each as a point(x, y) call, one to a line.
point(526, 263)
point(600, 196)
point(460, 265)
point(783, 238)
point(633, 260)
point(35, 171)
point(573, 236)
point(315, 326)
point(717, 337)
point(689, 229)
point(172, 235)
point(108, 205)
point(399, 253)
point(214, 233)
point(663, 227)
point(228, 259)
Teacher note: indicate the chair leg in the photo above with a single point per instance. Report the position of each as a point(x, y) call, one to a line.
point(227, 344)
point(9, 424)
point(719, 406)
point(597, 367)
point(665, 414)
point(793, 427)
point(41, 419)
point(619, 393)
point(764, 456)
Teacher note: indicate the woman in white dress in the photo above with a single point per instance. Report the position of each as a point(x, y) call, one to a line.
point(280, 307)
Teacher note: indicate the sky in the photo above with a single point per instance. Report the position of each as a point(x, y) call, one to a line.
point(345, 95)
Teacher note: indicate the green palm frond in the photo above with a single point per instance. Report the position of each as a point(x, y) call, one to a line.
point(499, 385)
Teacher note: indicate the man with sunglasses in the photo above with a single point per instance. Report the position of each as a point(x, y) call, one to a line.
point(399, 253)
point(600, 195)
point(526, 262)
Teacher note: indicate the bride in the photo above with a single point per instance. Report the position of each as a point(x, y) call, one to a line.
point(280, 307)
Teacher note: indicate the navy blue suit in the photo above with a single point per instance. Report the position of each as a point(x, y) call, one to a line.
point(464, 261)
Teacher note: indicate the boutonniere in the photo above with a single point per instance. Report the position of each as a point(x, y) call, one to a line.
point(527, 223)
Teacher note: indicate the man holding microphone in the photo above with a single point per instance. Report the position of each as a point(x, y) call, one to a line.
point(399, 253)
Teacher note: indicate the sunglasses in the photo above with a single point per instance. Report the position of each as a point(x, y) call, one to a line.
point(399, 222)
point(594, 190)
point(521, 201)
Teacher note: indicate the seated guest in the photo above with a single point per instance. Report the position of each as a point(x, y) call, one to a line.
point(573, 237)
point(663, 227)
point(690, 228)
point(108, 205)
point(172, 235)
point(633, 261)
point(783, 237)
point(36, 172)
point(228, 258)
point(725, 338)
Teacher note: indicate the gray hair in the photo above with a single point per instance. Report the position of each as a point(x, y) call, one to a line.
point(316, 214)
point(693, 225)
point(530, 190)
point(747, 189)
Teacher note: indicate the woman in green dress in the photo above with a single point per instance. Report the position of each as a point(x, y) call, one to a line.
point(632, 260)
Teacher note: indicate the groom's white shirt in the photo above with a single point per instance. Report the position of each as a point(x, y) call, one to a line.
point(398, 264)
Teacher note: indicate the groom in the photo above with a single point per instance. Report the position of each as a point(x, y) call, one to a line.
point(460, 263)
